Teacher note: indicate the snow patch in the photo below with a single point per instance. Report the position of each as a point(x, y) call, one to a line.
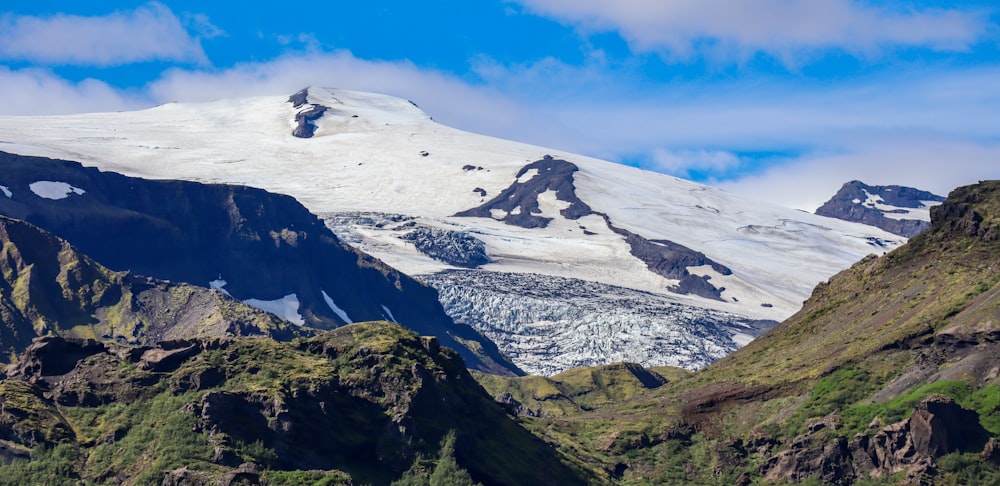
point(218, 284)
point(742, 339)
point(6, 191)
point(527, 176)
point(54, 190)
point(923, 213)
point(388, 314)
point(341, 313)
point(286, 308)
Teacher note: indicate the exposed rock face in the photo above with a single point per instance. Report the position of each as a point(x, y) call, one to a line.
point(305, 118)
point(671, 260)
point(937, 427)
point(261, 246)
point(896, 209)
point(518, 204)
point(827, 460)
point(971, 211)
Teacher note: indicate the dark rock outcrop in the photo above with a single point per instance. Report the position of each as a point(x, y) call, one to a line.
point(519, 202)
point(851, 203)
point(938, 426)
point(827, 460)
point(518, 205)
point(265, 246)
point(671, 260)
point(305, 118)
point(970, 211)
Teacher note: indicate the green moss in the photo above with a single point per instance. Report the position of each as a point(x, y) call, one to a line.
point(576, 390)
point(833, 393)
point(985, 402)
point(142, 439)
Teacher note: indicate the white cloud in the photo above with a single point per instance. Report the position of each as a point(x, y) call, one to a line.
point(782, 28)
point(934, 165)
point(39, 92)
point(448, 99)
point(686, 161)
point(150, 32)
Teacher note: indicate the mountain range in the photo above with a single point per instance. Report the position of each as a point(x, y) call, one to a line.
point(182, 332)
point(560, 259)
point(886, 376)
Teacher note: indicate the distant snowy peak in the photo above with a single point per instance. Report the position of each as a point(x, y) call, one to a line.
point(904, 211)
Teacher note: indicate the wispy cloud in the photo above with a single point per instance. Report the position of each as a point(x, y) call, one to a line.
point(935, 165)
point(40, 92)
point(781, 28)
point(445, 97)
point(148, 33)
point(686, 162)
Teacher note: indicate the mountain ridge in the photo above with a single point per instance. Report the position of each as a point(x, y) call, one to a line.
point(263, 248)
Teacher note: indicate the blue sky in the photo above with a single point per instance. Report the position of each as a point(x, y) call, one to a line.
point(778, 99)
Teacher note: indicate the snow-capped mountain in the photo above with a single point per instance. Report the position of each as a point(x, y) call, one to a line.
point(900, 210)
point(567, 260)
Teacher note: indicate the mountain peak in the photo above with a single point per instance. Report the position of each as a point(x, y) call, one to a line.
point(897, 209)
